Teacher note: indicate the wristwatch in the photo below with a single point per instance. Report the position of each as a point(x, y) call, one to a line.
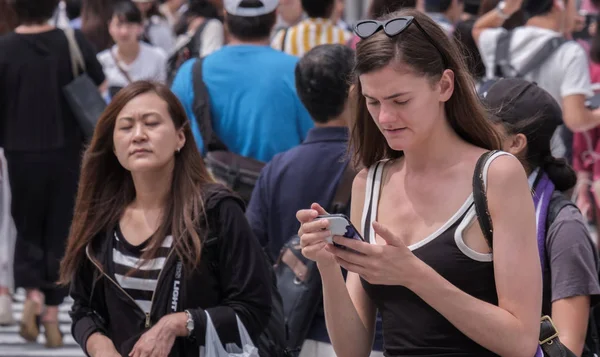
point(500, 10)
point(189, 324)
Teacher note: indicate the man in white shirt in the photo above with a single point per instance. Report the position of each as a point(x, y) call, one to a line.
point(565, 73)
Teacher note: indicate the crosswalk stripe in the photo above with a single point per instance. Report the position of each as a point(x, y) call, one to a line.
point(13, 345)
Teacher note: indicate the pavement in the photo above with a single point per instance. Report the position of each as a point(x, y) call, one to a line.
point(12, 345)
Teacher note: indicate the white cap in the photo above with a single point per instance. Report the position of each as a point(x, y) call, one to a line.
point(234, 7)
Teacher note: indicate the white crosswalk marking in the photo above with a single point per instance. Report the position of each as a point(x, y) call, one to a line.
point(12, 345)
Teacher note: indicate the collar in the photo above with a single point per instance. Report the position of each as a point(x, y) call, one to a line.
point(318, 20)
point(533, 176)
point(337, 133)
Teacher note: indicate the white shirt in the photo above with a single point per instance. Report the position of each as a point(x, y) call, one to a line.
point(150, 64)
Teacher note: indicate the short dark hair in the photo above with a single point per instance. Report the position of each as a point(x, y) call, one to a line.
point(318, 8)
point(437, 5)
point(34, 11)
point(126, 11)
point(323, 78)
point(250, 28)
point(537, 7)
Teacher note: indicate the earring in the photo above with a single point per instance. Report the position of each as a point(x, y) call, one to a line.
point(178, 150)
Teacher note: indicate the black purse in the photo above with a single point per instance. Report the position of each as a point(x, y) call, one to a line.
point(298, 279)
point(549, 341)
point(82, 93)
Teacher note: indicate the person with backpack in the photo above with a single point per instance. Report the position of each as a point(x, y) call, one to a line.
point(200, 33)
point(422, 136)
point(539, 53)
point(130, 59)
point(157, 31)
point(159, 257)
point(526, 116)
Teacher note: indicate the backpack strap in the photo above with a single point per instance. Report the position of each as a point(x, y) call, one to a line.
point(502, 66)
point(284, 38)
point(343, 192)
point(542, 55)
point(202, 110)
point(480, 197)
point(557, 203)
point(196, 40)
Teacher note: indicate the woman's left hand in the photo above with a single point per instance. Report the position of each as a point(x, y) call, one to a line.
point(389, 264)
point(156, 342)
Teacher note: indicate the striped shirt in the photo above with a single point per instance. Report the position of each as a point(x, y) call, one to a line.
point(141, 282)
point(309, 33)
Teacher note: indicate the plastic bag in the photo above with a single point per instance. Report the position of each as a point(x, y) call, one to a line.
point(8, 231)
point(214, 348)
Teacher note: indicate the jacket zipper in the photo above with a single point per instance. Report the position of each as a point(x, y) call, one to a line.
point(148, 322)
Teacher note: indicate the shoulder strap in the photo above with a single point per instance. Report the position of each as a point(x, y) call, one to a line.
point(284, 38)
point(480, 198)
point(77, 62)
point(542, 55)
point(123, 72)
point(502, 66)
point(557, 203)
point(343, 192)
point(196, 40)
point(202, 111)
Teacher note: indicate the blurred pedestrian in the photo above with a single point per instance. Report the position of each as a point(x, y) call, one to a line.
point(42, 142)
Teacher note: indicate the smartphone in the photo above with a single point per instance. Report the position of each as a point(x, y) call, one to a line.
point(340, 225)
point(593, 102)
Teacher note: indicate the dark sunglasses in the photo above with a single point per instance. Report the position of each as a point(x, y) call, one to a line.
point(367, 28)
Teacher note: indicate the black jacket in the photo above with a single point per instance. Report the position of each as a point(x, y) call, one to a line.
point(232, 278)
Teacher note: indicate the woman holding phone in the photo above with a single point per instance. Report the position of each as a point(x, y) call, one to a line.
point(419, 130)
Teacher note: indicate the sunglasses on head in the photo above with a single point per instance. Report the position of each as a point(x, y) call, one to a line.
point(367, 28)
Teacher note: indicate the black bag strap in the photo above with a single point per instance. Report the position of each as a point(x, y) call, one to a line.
point(196, 39)
point(343, 191)
point(202, 111)
point(502, 66)
point(502, 63)
point(284, 38)
point(480, 198)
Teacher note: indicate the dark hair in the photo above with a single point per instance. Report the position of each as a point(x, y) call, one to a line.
point(538, 124)
point(33, 11)
point(464, 110)
point(126, 11)
point(463, 37)
point(515, 20)
point(318, 8)
point(250, 28)
point(153, 11)
point(380, 8)
point(537, 7)
point(196, 8)
point(95, 14)
point(106, 188)
point(323, 80)
point(8, 18)
point(595, 44)
point(73, 8)
point(437, 5)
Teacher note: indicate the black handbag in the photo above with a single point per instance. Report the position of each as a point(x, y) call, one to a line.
point(82, 93)
point(298, 279)
point(549, 341)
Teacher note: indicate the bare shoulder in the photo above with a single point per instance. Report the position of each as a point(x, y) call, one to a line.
point(505, 173)
point(360, 181)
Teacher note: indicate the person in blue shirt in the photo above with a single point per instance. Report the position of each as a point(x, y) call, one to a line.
point(255, 109)
point(311, 171)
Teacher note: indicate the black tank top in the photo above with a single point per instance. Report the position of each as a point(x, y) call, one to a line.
point(410, 326)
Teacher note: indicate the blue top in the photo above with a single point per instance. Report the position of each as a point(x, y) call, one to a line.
point(292, 181)
point(255, 109)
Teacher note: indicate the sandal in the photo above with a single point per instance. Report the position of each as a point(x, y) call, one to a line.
point(54, 337)
point(30, 322)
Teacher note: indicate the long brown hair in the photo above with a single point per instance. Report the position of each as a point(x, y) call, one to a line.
point(106, 188)
point(8, 17)
point(464, 110)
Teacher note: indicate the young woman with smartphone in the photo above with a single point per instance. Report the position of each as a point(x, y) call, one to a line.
point(419, 130)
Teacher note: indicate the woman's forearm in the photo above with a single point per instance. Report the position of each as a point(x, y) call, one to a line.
point(98, 343)
point(490, 326)
point(349, 336)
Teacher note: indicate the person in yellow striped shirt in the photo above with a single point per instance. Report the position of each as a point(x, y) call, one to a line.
point(317, 29)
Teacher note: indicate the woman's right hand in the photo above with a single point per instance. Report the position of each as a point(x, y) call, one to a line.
point(313, 235)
